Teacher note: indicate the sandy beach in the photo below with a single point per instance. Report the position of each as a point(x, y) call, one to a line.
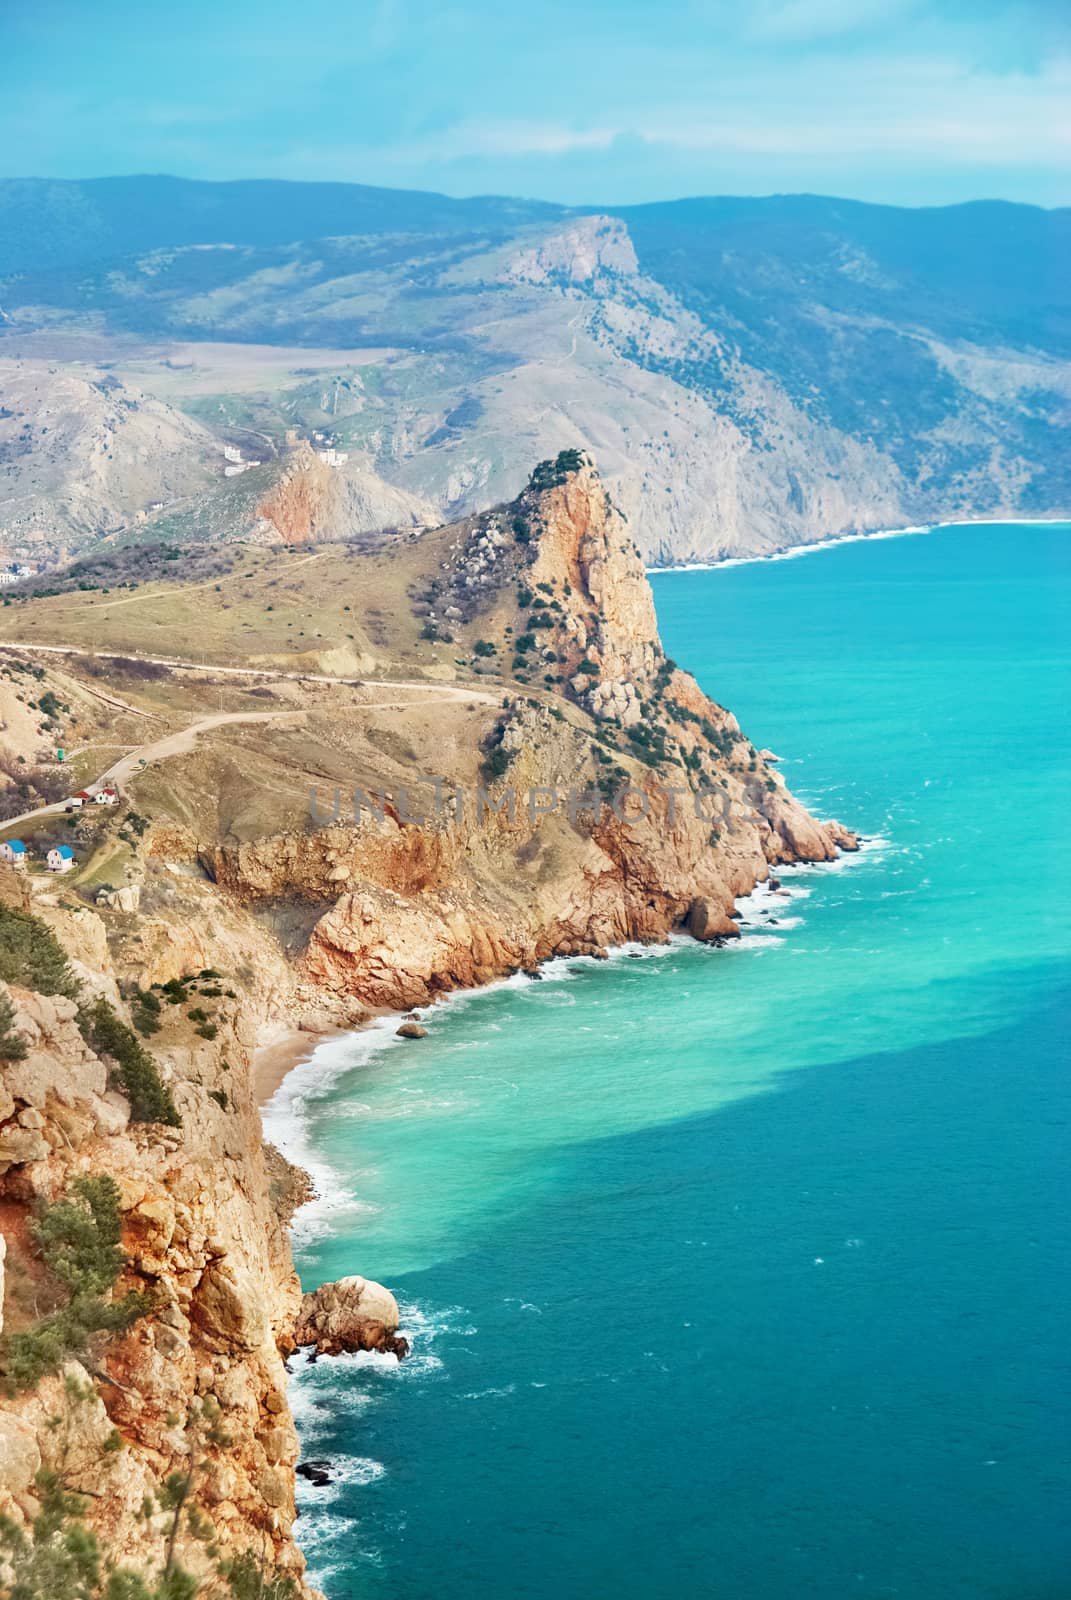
point(280, 1050)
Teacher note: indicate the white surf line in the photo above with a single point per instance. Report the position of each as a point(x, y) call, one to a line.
point(790, 552)
point(285, 1115)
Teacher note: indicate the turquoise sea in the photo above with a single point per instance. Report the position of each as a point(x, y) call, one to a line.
point(745, 1273)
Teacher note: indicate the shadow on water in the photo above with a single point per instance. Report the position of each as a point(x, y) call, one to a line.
point(811, 1344)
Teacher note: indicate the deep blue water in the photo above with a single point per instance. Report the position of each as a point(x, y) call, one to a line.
point(744, 1273)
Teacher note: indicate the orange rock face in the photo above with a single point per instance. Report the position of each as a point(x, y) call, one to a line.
point(463, 899)
point(304, 504)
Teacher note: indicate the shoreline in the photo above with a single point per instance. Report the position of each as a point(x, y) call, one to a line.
point(789, 552)
point(284, 1082)
point(276, 1055)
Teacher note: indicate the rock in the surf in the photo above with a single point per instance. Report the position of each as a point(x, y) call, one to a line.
point(353, 1314)
point(708, 921)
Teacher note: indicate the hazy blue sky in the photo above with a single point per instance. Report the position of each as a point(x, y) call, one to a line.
point(916, 101)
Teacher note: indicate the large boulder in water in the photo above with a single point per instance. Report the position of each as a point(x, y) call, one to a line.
point(708, 921)
point(352, 1314)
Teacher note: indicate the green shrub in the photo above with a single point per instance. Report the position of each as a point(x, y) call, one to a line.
point(79, 1237)
point(496, 762)
point(135, 1071)
point(79, 1241)
point(484, 647)
point(12, 1045)
point(549, 474)
point(31, 956)
point(197, 1014)
point(145, 1010)
point(247, 1579)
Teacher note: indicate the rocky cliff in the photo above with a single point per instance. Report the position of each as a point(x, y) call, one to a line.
point(595, 796)
point(203, 1209)
point(614, 802)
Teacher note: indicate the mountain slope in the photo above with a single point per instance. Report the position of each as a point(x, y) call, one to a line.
point(751, 373)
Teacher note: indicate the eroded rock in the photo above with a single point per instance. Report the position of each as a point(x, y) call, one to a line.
point(352, 1314)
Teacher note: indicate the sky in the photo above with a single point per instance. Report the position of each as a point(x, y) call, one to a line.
point(912, 102)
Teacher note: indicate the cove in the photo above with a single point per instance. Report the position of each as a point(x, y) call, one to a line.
point(744, 1272)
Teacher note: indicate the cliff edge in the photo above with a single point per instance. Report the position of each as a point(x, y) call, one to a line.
point(532, 777)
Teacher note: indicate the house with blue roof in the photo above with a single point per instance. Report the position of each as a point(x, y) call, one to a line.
point(13, 853)
point(60, 858)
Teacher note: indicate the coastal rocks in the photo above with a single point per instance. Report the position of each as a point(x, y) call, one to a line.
point(618, 700)
point(394, 952)
point(228, 1310)
point(411, 1030)
point(707, 921)
point(203, 1216)
point(352, 1314)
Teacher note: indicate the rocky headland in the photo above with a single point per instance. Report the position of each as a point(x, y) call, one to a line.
point(151, 1301)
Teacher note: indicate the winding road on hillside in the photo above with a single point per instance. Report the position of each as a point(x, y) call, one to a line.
point(182, 740)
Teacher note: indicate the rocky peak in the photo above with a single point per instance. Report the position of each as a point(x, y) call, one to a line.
point(585, 590)
point(562, 561)
point(581, 252)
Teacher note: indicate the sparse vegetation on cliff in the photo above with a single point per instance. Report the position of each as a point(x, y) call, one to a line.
point(31, 956)
point(549, 474)
point(135, 1071)
point(12, 1044)
point(145, 1011)
point(61, 1555)
point(78, 1241)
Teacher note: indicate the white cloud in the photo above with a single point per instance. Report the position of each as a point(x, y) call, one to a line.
point(934, 111)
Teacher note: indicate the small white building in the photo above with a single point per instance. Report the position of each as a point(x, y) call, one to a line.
point(60, 858)
point(333, 457)
point(13, 853)
point(105, 797)
point(230, 453)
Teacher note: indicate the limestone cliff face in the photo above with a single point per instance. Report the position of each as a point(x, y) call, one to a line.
point(412, 909)
point(584, 251)
point(204, 1210)
point(305, 503)
point(546, 854)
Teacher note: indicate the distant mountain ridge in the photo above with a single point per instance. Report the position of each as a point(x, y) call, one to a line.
point(750, 373)
point(47, 222)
